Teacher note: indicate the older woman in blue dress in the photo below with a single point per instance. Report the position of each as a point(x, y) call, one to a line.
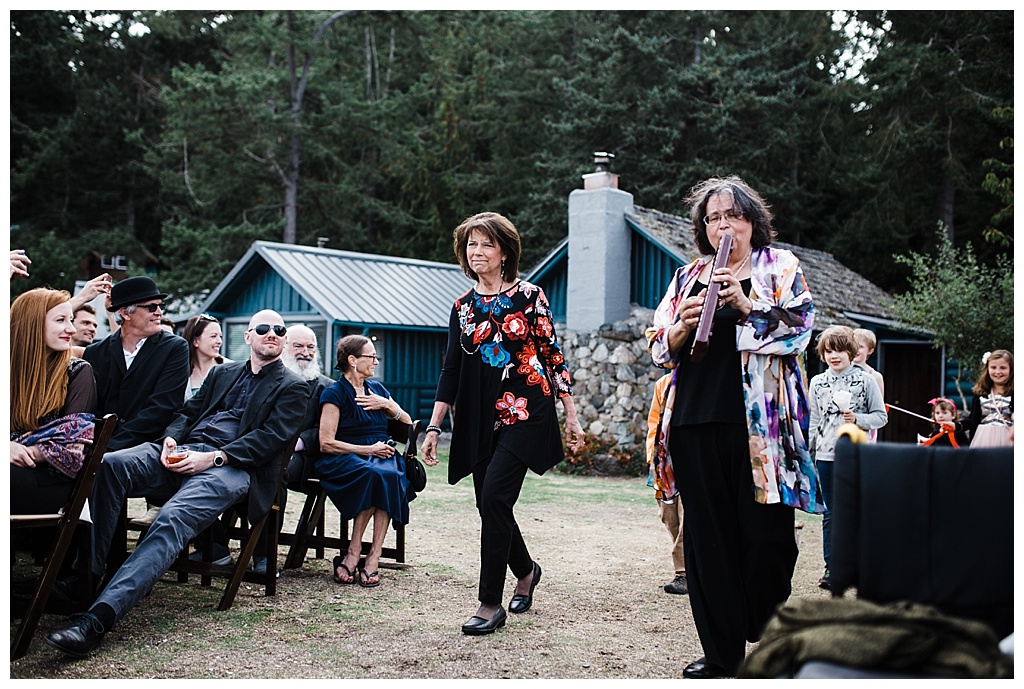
point(360, 472)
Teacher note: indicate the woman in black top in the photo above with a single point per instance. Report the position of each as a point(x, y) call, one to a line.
point(502, 371)
point(52, 400)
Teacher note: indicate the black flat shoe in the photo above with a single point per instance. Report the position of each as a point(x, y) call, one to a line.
point(476, 626)
point(520, 603)
point(702, 669)
point(80, 638)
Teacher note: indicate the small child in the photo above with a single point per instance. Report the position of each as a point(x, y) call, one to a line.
point(843, 394)
point(948, 431)
point(866, 347)
point(992, 409)
point(662, 479)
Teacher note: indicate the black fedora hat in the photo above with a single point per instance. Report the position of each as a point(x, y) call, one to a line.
point(132, 291)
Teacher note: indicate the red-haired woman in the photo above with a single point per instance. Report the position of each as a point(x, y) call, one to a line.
point(52, 401)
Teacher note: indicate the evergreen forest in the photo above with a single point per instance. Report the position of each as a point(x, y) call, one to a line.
point(189, 134)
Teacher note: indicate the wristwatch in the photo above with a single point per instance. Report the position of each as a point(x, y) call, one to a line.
point(218, 458)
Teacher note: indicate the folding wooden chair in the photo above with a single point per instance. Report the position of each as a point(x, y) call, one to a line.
point(66, 523)
point(247, 534)
point(310, 531)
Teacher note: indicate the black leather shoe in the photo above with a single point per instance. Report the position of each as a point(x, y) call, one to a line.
point(81, 638)
point(475, 626)
point(521, 603)
point(702, 669)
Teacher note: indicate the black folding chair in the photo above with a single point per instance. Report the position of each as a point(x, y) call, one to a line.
point(67, 523)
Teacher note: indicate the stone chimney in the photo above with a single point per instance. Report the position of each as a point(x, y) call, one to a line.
point(599, 250)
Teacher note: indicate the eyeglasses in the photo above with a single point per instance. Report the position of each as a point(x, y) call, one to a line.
point(732, 215)
point(264, 328)
point(368, 356)
point(150, 307)
point(207, 317)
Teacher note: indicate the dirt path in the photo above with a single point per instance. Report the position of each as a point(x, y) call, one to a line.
point(600, 611)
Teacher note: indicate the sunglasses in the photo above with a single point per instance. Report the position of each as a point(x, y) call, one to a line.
point(264, 328)
point(150, 307)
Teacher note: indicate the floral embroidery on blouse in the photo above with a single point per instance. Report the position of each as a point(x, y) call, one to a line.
point(513, 331)
point(511, 409)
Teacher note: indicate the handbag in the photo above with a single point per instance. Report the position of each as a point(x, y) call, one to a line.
point(416, 474)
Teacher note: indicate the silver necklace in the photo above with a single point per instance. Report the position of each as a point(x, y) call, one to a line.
point(469, 317)
point(737, 271)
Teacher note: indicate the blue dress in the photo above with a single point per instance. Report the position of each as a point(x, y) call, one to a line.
point(353, 482)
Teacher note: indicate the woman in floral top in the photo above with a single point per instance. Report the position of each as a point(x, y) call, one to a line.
point(737, 435)
point(502, 371)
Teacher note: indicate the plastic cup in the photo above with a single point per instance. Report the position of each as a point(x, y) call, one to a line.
point(178, 453)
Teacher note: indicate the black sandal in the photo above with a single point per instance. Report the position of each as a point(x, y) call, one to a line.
point(367, 584)
point(339, 562)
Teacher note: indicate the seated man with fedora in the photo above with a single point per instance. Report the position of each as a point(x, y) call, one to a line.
point(141, 370)
point(236, 428)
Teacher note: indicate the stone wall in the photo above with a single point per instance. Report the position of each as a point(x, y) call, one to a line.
point(613, 380)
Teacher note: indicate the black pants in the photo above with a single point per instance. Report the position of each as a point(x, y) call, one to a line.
point(740, 554)
point(39, 490)
point(497, 484)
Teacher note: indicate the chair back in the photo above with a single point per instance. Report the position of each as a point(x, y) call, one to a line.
point(931, 525)
point(87, 475)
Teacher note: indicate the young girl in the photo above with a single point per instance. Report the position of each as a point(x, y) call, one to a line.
point(948, 431)
point(843, 394)
point(992, 409)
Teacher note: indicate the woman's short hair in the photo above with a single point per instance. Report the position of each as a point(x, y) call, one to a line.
point(39, 375)
point(499, 230)
point(748, 201)
point(350, 345)
point(194, 328)
point(983, 386)
point(837, 338)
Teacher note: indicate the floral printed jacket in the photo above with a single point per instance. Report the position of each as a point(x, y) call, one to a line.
point(502, 370)
point(771, 342)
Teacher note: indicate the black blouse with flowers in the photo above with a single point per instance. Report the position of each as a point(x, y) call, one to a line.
point(501, 370)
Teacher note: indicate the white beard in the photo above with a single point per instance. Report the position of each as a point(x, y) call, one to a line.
point(306, 371)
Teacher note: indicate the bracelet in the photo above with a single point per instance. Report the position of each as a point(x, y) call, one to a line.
point(432, 429)
point(397, 413)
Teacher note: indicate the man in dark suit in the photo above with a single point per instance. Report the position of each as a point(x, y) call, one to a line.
point(141, 371)
point(236, 428)
point(302, 356)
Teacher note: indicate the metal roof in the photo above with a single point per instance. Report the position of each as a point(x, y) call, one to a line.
point(353, 287)
point(838, 291)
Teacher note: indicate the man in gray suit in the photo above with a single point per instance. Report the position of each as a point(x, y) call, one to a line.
point(236, 427)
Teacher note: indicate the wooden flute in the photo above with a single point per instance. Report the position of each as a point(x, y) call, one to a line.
point(707, 310)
